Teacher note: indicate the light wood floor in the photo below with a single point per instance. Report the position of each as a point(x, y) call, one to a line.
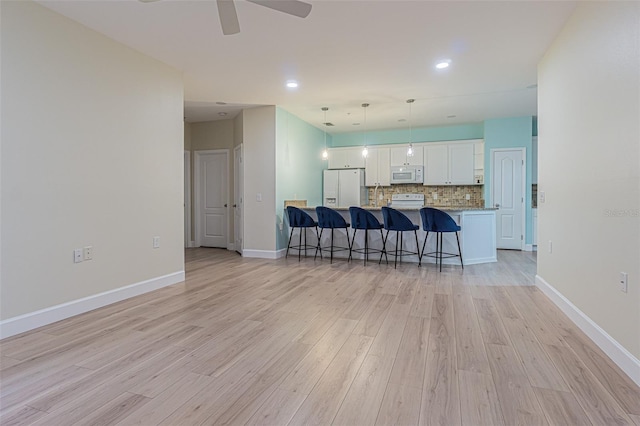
point(250, 341)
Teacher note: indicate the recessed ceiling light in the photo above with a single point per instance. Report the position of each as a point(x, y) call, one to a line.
point(451, 116)
point(402, 120)
point(292, 84)
point(443, 64)
point(221, 103)
point(356, 124)
point(532, 86)
point(222, 114)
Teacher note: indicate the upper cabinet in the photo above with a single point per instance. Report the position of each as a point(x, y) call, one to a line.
point(378, 167)
point(449, 163)
point(400, 157)
point(346, 158)
point(478, 168)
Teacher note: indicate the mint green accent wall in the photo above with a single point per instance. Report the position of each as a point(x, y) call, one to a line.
point(512, 132)
point(299, 167)
point(423, 134)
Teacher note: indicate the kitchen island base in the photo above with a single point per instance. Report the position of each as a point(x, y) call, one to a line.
point(477, 237)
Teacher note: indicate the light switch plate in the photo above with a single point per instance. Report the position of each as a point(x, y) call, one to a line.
point(77, 255)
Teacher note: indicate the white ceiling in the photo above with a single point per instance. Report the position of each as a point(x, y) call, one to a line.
point(343, 54)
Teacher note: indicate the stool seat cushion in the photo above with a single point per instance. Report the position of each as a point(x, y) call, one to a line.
point(363, 219)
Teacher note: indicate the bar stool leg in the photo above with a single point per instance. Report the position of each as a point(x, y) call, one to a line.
point(441, 250)
point(366, 246)
point(459, 251)
point(318, 247)
point(351, 245)
point(417, 247)
point(331, 260)
point(289, 245)
point(384, 248)
point(423, 245)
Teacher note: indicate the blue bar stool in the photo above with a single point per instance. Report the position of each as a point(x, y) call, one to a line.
point(399, 222)
point(434, 220)
point(300, 219)
point(364, 219)
point(329, 218)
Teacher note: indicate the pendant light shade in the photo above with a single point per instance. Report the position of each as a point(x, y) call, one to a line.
point(365, 150)
point(410, 149)
point(325, 153)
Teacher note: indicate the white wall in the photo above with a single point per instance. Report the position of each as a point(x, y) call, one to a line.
point(588, 150)
point(259, 138)
point(92, 154)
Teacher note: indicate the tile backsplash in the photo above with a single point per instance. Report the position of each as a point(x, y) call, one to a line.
point(448, 195)
point(534, 195)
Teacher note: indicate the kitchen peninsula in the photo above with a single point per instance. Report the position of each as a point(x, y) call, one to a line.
point(477, 237)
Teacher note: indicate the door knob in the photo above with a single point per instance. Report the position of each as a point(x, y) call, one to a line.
point(225, 204)
point(497, 206)
point(235, 205)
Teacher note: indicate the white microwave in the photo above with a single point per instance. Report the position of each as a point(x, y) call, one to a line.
point(407, 174)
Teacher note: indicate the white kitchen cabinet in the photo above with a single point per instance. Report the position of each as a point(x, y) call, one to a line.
point(449, 164)
point(399, 156)
point(377, 167)
point(346, 158)
point(478, 167)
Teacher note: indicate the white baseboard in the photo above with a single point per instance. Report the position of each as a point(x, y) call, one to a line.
point(260, 254)
point(528, 247)
point(20, 324)
point(614, 350)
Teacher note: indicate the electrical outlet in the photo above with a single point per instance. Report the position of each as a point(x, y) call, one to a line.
point(77, 255)
point(435, 195)
point(550, 247)
point(542, 196)
point(156, 242)
point(88, 253)
point(623, 281)
point(467, 197)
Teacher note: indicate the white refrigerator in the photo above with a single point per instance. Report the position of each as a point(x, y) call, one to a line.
point(344, 188)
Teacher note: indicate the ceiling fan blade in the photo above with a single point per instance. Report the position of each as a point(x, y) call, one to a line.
point(228, 17)
point(292, 7)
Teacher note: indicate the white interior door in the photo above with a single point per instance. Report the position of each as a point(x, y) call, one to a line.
point(237, 197)
point(212, 196)
point(508, 197)
point(187, 198)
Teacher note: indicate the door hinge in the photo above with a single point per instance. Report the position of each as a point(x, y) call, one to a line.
point(522, 161)
point(521, 237)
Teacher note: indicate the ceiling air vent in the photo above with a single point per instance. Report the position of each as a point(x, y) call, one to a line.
point(329, 124)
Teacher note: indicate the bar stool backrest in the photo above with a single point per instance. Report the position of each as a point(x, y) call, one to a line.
point(396, 221)
point(299, 218)
point(434, 220)
point(329, 218)
point(363, 219)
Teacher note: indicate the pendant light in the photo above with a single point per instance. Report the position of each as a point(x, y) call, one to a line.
point(410, 149)
point(325, 153)
point(365, 150)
